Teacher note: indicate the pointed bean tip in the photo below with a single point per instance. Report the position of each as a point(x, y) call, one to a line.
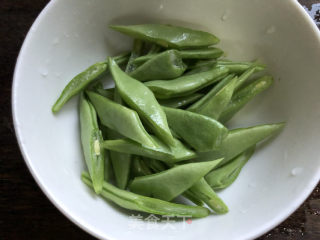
point(97, 187)
point(112, 26)
point(54, 109)
point(282, 124)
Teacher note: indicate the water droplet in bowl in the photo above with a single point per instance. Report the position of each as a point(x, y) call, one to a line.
point(296, 171)
point(67, 35)
point(225, 15)
point(243, 211)
point(270, 30)
point(56, 41)
point(58, 75)
point(44, 72)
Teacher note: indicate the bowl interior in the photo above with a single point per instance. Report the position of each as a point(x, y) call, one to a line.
point(70, 35)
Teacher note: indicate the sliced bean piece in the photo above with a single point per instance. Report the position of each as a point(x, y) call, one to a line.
point(165, 65)
point(243, 96)
point(91, 139)
point(157, 166)
point(239, 140)
point(83, 79)
point(224, 176)
point(186, 85)
point(205, 193)
point(200, 132)
point(121, 119)
point(143, 101)
point(137, 202)
point(169, 184)
point(168, 155)
point(168, 35)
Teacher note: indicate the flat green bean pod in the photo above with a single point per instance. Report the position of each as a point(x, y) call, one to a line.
point(205, 193)
point(244, 76)
point(243, 96)
point(200, 132)
point(165, 65)
point(121, 119)
point(239, 140)
point(202, 53)
point(240, 67)
point(141, 168)
point(162, 152)
point(224, 176)
point(234, 67)
point(159, 185)
point(143, 101)
point(215, 105)
point(83, 79)
point(186, 85)
point(215, 89)
point(140, 203)
point(168, 35)
point(91, 139)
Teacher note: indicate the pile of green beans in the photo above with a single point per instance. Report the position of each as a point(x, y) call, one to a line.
point(160, 133)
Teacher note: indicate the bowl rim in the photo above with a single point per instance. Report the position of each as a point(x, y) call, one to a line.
point(291, 208)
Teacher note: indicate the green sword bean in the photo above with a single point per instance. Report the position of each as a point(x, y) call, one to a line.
point(224, 176)
point(168, 35)
point(160, 185)
point(215, 105)
point(143, 101)
point(121, 119)
point(162, 152)
point(132, 201)
point(186, 85)
point(214, 90)
point(83, 79)
point(91, 139)
point(166, 65)
point(200, 132)
point(239, 140)
point(243, 96)
point(205, 193)
point(202, 53)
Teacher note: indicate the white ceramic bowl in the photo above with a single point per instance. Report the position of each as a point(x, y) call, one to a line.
point(69, 35)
